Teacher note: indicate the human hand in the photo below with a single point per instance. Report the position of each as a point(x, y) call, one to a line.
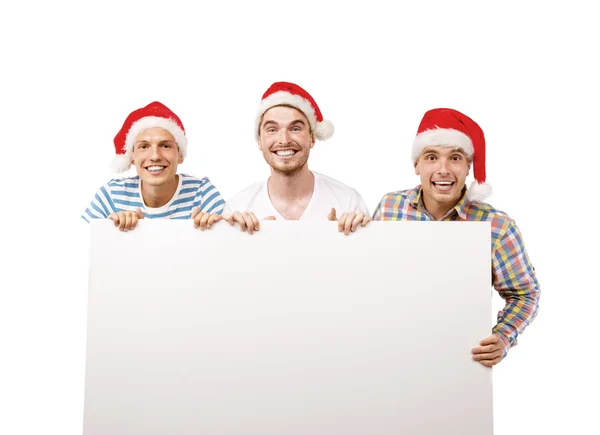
point(204, 220)
point(247, 220)
point(126, 220)
point(491, 350)
point(349, 222)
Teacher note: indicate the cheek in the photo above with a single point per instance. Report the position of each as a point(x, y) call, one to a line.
point(424, 170)
point(464, 170)
point(261, 142)
point(266, 143)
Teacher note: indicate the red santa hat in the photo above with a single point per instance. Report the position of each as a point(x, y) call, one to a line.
point(153, 115)
point(450, 128)
point(289, 94)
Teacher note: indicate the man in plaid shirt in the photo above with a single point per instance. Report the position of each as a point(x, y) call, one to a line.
point(448, 143)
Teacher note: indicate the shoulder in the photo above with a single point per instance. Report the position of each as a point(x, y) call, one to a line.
point(121, 186)
point(334, 185)
point(487, 212)
point(124, 182)
point(482, 211)
point(190, 181)
point(398, 196)
point(246, 194)
point(251, 189)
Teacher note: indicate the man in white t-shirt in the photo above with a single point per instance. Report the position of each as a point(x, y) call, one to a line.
point(287, 124)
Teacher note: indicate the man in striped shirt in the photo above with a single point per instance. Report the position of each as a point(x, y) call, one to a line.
point(448, 143)
point(153, 140)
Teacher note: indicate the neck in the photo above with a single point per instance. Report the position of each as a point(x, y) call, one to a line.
point(439, 209)
point(291, 186)
point(436, 209)
point(157, 196)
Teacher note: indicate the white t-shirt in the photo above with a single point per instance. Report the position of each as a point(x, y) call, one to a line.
point(328, 193)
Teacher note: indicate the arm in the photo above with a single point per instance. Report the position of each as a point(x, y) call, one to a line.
point(515, 280)
point(101, 205)
point(210, 199)
point(357, 215)
point(377, 213)
point(208, 205)
point(361, 205)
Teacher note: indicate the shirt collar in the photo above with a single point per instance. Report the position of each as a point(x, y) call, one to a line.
point(416, 200)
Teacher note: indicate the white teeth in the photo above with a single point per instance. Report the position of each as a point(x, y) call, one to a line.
point(155, 168)
point(285, 152)
point(443, 185)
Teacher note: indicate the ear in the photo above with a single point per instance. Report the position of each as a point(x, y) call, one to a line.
point(417, 172)
point(312, 140)
point(259, 143)
point(180, 159)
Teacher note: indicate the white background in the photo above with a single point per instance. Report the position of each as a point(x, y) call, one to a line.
point(71, 73)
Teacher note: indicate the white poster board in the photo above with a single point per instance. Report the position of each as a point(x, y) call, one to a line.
point(294, 330)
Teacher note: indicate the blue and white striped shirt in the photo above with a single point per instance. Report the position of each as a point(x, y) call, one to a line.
point(124, 194)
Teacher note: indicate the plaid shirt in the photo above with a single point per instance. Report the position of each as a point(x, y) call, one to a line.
point(513, 275)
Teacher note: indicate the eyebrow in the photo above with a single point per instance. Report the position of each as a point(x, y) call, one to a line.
point(139, 142)
point(454, 150)
point(294, 122)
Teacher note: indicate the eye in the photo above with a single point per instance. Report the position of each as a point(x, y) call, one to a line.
point(456, 157)
point(430, 157)
point(142, 146)
point(166, 145)
point(271, 130)
point(296, 129)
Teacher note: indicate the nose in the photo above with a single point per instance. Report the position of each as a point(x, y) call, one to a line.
point(442, 167)
point(283, 136)
point(155, 153)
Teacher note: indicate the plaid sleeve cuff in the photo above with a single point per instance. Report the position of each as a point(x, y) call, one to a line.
point(509, 340)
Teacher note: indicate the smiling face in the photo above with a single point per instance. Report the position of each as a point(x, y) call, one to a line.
point(156, 157)
point(443, 171)
point(285, 139)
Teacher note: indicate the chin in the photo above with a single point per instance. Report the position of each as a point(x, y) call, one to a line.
point(156, 180)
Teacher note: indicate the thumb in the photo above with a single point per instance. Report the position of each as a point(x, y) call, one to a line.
point(331, 216)
point(139, 213)
point(270, 218)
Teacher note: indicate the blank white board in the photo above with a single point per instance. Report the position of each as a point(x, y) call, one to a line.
point(294, 330)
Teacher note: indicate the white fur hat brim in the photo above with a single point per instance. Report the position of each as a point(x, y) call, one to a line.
point(441, 137)
point(322, 130)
